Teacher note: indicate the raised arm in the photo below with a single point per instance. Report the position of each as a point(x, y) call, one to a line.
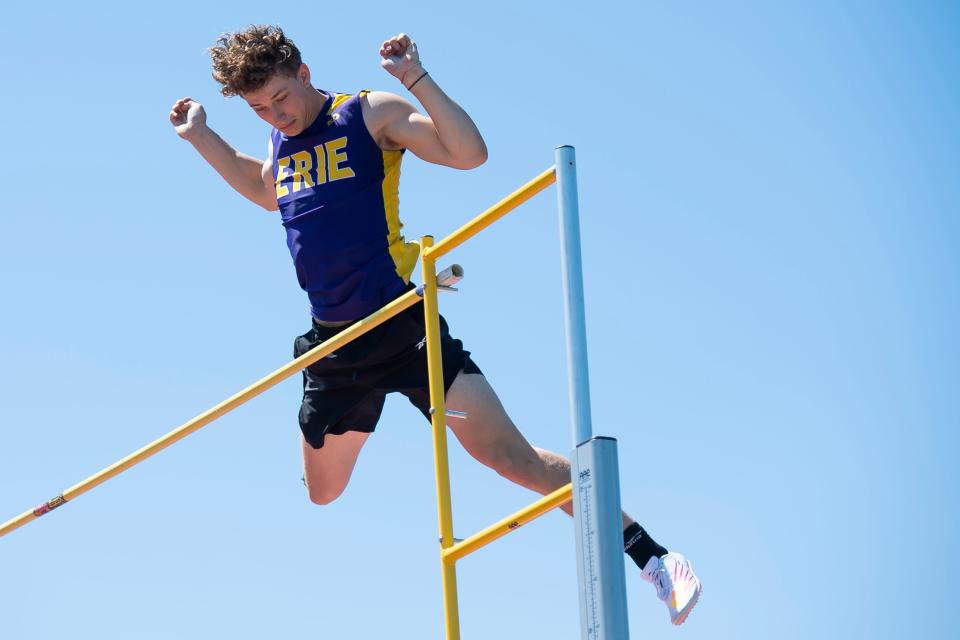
point(446, 135)
point(252, 178)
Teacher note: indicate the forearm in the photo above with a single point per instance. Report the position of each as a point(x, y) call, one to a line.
point(242, 172)
point(456, 130)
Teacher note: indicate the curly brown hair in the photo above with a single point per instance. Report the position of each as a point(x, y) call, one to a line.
point(246, 60)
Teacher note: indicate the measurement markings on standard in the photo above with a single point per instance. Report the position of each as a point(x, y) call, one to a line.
point(589, 535)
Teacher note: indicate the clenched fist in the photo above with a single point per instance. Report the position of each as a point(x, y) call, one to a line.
point(187, 117)
point(401, 59)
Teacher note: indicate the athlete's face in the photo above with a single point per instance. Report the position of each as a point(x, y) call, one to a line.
point(286, 102)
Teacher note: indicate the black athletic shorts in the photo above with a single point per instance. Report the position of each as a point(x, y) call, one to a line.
point(345, 391)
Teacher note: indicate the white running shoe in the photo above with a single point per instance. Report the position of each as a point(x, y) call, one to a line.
point(677, 585)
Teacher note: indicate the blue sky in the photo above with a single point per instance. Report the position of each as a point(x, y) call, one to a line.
point(769, 203)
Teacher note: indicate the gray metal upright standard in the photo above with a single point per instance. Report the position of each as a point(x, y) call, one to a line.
point(595, 474)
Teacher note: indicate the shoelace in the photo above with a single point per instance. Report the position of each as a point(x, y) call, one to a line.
point(662, 582)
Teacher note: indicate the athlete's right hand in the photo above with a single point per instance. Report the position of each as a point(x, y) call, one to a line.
point(187, 117)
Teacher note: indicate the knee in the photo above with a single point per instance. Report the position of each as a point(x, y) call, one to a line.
point(323, 495)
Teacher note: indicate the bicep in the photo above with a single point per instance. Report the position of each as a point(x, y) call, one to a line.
point(416, 132)
point(400, 126)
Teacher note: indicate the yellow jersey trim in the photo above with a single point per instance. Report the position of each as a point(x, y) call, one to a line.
point(339, 99)
point(404, 253)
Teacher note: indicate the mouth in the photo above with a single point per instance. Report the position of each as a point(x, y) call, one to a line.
point(286, 126)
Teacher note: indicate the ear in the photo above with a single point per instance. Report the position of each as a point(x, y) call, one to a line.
point(303, 74)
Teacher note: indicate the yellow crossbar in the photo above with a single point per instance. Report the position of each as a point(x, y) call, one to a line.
point(492, 214)
point(561, 496)
point(320, 351)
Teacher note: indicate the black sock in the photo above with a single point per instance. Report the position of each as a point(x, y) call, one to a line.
point(638, 544)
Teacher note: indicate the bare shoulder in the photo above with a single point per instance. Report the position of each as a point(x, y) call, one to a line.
point(381, 109)
point(384, 101)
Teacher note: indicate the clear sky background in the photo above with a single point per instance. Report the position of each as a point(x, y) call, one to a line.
point(769, 200)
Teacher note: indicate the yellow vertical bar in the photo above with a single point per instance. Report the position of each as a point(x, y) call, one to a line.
point(431, 313)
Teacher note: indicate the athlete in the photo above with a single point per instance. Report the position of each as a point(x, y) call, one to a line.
point(332, 171)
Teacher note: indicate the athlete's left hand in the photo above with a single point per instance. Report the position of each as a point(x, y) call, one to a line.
point(401, 59)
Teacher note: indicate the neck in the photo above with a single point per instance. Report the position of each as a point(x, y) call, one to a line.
point(314, 105)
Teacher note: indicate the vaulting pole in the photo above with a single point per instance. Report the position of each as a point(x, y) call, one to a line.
point(320, 351)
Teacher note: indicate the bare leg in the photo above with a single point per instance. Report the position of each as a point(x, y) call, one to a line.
point(327, 470)
point(489, 435)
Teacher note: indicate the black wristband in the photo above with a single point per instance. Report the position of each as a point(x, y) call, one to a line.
point(425, 74)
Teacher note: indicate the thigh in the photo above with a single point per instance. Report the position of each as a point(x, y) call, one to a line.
point(487, 432)
point(327, 470)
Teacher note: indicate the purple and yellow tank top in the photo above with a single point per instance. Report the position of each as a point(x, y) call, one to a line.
point(337, 192)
